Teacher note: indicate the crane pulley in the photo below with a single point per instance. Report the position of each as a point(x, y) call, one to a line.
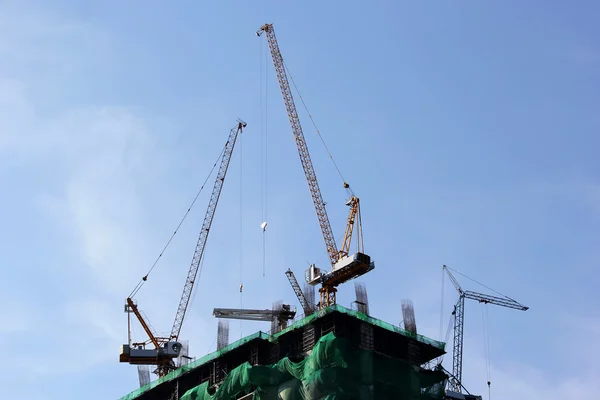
point(166, 349)
point(344, 266)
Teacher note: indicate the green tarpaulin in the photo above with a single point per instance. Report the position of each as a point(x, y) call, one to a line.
point(333, 370)
point(282, 381)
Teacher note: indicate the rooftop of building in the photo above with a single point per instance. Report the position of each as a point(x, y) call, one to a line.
point(295, 342)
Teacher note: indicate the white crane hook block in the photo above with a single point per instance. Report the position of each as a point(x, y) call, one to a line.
point(263, 226)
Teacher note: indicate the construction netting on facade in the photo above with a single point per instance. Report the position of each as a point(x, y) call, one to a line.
point(293, 385)
point(188, 367)
point(333, 370)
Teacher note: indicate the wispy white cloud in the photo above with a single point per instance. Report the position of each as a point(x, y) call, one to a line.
point(36, 42)
point(98, 158)
point(101, 159)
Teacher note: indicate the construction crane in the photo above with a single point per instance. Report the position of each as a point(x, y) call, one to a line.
point(168, 348)
point(459, 321)
point(280, 314)
point(306, 306)
point(344, 266)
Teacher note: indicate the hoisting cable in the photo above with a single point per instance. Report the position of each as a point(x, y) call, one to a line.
point(241, 226)
point(442, 305)
point(450, 326)
point(145, 277)
point(198, 277)
point(451, 321)
point(262, 148)
point(486, 344)
point(441, 358)
point(263, 151)
point(213, 343)
point(325, 253)
point(317, 129)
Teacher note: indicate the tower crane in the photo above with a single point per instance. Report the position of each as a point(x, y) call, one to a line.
point(168, 348)
point(459, 321)
point(344, 266)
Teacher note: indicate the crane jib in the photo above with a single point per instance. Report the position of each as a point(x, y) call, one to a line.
point(311, 177)
point(208, 218)
point(167, 349)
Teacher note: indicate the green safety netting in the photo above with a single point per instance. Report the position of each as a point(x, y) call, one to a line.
point(363, 317)
point(333, 370)
point(260, 335)
point(201, 361)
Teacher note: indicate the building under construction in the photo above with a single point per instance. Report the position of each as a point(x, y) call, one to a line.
point(333, 353)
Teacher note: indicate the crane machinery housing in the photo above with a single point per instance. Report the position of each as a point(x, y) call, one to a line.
point(166, 349)
point(344, 266)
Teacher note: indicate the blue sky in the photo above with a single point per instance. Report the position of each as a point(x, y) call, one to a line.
point(469, 131)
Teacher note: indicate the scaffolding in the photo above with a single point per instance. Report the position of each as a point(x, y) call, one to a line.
point(355, 334)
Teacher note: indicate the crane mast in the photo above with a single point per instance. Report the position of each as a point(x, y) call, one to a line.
point(311, 177)
point(459, 320)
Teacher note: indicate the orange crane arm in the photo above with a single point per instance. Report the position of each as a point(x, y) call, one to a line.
point(353, 218)
point(137, 313)
point(309, 171)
